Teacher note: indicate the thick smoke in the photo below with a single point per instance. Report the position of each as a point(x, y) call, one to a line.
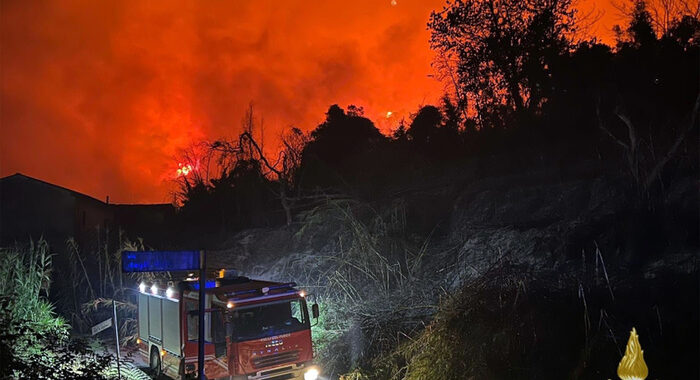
point(101, 96)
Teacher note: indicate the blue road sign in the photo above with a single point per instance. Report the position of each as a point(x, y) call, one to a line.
point(159, 261)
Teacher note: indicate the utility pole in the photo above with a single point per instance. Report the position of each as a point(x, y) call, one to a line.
point(116, 335)
point(202, 305)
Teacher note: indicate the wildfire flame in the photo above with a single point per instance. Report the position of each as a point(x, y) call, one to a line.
point(184, 169)
point(632, 365)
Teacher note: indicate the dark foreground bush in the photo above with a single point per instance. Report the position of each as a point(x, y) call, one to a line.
point(34, 342)
point(36, 350)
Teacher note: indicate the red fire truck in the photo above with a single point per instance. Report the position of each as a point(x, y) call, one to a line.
point(254, 329)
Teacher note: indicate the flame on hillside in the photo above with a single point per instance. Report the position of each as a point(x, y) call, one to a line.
point(184, 169)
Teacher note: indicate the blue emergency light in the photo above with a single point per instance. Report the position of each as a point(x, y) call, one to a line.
point(159, 261)
point(210, 284)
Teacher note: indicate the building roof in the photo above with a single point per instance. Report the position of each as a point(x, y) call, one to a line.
point(49, 184)
point(81, 195)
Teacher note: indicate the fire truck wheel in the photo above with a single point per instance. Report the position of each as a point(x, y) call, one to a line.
point(155, 362)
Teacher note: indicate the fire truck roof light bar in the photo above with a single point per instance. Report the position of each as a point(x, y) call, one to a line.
point(210, 284)
point(242, 292)
point(288, 293)
point(282, 286)
point(263, 290)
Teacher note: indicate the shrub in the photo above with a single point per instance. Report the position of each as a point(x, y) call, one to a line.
point(34, 341)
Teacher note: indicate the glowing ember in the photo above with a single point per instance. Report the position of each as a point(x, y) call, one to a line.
point(184, 169)
point(388, 114)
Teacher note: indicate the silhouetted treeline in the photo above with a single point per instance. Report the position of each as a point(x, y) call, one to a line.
point(524, 96)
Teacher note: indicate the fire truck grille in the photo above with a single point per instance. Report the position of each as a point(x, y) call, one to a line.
point(276, 359)
point(282, 377)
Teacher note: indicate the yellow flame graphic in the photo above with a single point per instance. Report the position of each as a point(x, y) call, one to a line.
point(632, 366)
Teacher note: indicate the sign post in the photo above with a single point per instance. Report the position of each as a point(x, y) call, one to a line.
point(107, 323)
point(202, 305)
point(104, 325)
point(169, 261)
point(116, 335)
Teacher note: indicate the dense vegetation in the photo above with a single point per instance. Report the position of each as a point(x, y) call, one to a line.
point(444, 249)
point(522, 95)
point(34, 341)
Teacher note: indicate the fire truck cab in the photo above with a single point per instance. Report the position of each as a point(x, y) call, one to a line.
point(254, 329)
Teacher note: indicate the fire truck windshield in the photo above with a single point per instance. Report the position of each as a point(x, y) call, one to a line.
point(270, 319)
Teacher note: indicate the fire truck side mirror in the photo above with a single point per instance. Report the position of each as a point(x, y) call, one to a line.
point(314, 311)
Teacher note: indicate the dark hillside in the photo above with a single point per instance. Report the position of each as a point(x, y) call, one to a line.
point(527, 259)
point(520, 236)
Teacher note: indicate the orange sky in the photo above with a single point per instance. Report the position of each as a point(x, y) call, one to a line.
point(101, 96)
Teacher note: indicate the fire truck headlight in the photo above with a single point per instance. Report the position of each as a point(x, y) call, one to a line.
point(311, 374)
point(142, 287)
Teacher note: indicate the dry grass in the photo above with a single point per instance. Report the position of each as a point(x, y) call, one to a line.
point(370, 280)
point(450, 346)
point(97, 280)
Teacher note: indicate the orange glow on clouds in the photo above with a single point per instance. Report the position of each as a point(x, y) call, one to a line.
point(101, 96)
